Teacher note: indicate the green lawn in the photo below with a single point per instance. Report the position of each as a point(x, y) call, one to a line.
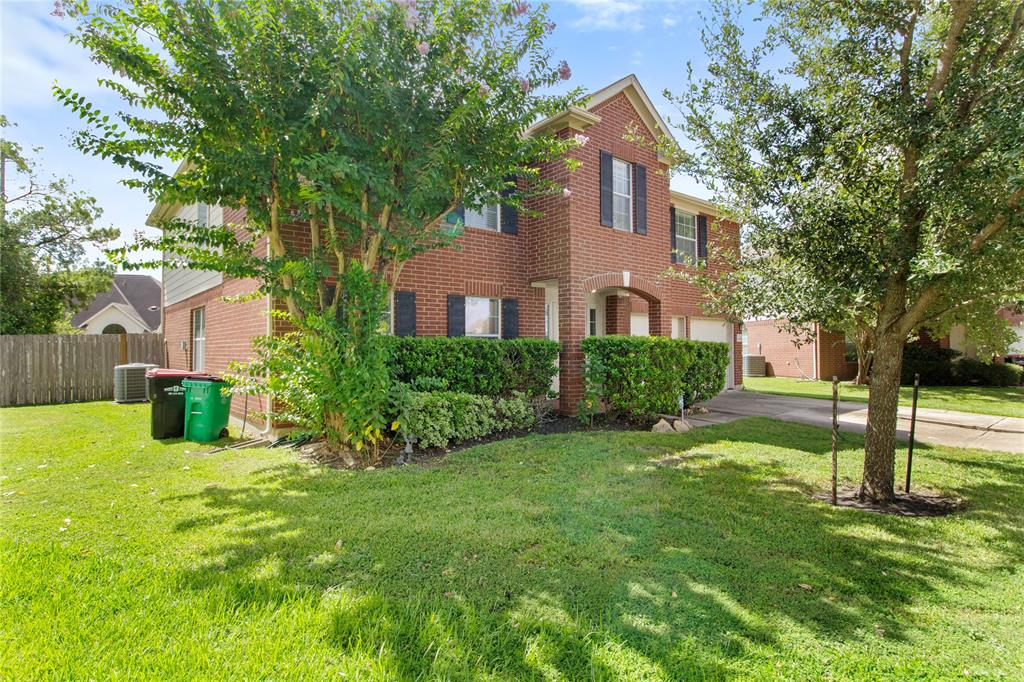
point(583, 556)
point(1007, 402)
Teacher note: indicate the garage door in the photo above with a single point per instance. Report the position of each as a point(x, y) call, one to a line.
point(1018, 347)
point(702, 329)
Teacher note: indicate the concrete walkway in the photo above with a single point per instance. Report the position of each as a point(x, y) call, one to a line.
point(940, 427)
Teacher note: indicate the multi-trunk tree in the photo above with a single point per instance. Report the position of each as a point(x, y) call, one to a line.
point(355, 125)
point(879, 171)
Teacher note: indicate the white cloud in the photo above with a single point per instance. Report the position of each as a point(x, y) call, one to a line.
point(623, 15)
point(609, 14)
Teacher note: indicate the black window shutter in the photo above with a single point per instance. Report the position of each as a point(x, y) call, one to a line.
point(456, 315)
point(405, 313)
point(640, 192)
point(672, 233)
point(509, 318)
point(508, 217)
point(606, 189)
point(702, 237)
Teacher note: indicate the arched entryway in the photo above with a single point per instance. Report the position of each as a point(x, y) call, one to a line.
point(609, 297)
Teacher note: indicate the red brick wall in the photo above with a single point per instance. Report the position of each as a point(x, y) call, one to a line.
point(230, 328)
point(566, 243)
point(783, 357)
point(595, 249)
point(821, 357)
point(832, 357)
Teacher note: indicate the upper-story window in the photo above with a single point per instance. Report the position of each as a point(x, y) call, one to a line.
point(483, 317)
point(622, 195)
point(686, 237)
point(203, 215)
point(487, 217)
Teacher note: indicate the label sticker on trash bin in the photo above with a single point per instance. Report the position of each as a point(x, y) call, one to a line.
point(175, 390)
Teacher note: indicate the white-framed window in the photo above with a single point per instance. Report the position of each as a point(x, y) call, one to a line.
point(622, 195)
point(592, 321)
point(547, 321)
point(483, 316)
point(849, 349)
point(487, 217)
point(198, 339)
point(686, 237)
point(203, 215)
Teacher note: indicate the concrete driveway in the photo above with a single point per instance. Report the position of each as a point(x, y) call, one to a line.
point(939, 427)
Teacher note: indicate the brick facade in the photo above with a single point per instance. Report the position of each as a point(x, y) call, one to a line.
point(818, 354)
point(565, 252)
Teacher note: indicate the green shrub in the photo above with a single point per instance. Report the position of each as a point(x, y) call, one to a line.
point(935, 365)
point(438, 418)
point(968, 371)
point(491, 367)
point(645, 375)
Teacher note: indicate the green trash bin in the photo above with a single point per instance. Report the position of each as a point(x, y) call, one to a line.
point(206, 409)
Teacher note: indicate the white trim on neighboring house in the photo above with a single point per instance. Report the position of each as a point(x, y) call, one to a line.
point(123, 309)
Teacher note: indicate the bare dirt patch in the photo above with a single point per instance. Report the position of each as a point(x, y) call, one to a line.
point(912, 504)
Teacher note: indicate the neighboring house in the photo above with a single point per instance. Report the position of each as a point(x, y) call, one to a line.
point(819, 354)
point(592, 264)
point(829, 354)
point(132, 305)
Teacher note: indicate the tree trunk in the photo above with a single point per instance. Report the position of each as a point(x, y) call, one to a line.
point(863, 365)
point(883, 400)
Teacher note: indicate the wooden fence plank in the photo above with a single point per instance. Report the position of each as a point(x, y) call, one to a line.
point(63, 368)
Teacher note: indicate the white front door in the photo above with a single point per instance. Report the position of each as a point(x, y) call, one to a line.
point(703, 329)
point(639, 324)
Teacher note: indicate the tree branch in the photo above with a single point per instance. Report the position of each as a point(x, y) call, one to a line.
point(961, 10)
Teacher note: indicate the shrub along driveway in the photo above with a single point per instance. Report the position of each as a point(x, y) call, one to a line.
point(579, 556)
point(1007, 401)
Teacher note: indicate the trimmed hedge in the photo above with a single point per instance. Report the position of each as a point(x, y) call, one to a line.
point(971, 372)
point(946, 367)
point(935, 365)
point(437, 418)
point(491, 367)
point(645, 375)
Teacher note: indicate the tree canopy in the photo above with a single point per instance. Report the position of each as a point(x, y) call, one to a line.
point(879, 171)
point(45, 227)
point(359, 123)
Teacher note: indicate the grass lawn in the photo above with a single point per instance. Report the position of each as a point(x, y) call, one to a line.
point(1007, 402)
point(580, 556)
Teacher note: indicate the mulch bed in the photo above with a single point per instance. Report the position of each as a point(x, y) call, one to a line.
point(913, 504)
point(553, 424)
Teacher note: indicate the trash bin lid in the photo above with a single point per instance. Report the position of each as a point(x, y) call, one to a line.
point(161, 372)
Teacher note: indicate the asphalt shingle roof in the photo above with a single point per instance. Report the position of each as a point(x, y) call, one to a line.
point(140, 292)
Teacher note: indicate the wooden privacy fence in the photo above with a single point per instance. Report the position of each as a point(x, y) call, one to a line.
point(69, 368)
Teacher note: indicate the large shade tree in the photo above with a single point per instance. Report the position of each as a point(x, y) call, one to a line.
point(46, 226)
point(879, 171)
point(357, 125)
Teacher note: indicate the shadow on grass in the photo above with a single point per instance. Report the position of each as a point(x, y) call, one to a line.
point(596, 554)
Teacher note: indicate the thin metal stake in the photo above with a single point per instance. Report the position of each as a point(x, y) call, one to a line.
point(913, 423)
point(835, 438)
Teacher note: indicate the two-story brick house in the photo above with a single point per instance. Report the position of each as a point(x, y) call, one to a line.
point(593, 263)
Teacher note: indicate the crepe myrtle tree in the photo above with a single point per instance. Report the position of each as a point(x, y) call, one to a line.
point(879, 172)
point(354, 125)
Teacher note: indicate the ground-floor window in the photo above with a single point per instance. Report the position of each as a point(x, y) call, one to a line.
point(849, 350)
point(483, 316)
point(198, 339)
point(592, 321)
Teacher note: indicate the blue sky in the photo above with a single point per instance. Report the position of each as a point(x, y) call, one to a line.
point(602, 40)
